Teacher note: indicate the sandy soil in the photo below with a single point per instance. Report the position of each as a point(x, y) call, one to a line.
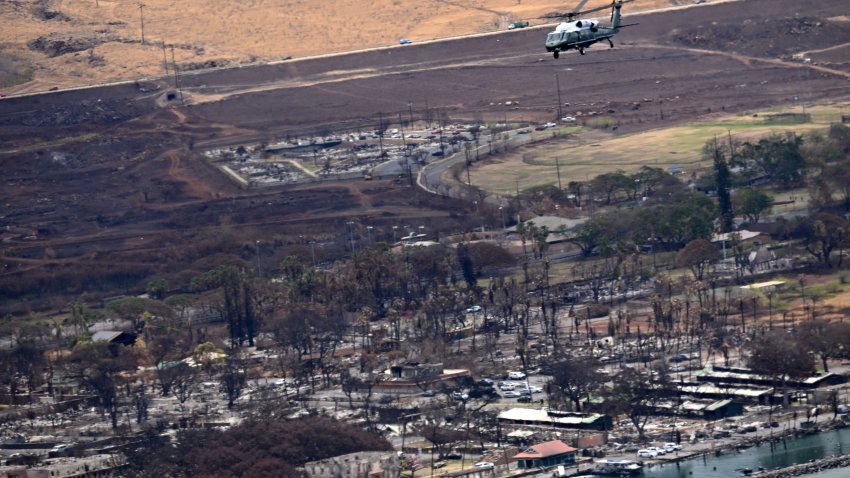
point(206, 33)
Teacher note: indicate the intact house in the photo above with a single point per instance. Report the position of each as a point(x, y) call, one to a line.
point(546, 454)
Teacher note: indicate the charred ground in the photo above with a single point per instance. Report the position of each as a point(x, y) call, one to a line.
point(104, 188)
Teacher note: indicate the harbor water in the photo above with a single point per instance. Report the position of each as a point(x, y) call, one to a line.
point(769, 456)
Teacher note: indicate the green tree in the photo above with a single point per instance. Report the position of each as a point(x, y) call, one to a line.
point(723, 184)
point(467, 267)
point(780, 158)
point(752, 203)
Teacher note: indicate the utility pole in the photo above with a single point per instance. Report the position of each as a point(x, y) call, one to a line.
point(558, 87)
point(381, 132)
point(558, 170)
point(517, 202)
point(176, 77)
point(142, 20)
point(401, 128)
point(164, 58)
point(259, 272)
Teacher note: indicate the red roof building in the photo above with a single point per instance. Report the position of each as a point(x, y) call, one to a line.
point(545, 454)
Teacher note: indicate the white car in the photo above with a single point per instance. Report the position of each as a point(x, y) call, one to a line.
point(484, 465)
point(671, 447)
point(473, 309)
point(550, 125)
point(647, 453)
point(511, 394)
point(516, 375)
point(659, 451)
point(568, 119)
point(506, 386)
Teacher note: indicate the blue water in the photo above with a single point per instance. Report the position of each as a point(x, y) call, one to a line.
point(769, 456)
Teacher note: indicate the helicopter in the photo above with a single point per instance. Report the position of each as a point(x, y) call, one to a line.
point(580, 34)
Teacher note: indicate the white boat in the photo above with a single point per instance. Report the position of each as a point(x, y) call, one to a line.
point(617, 467)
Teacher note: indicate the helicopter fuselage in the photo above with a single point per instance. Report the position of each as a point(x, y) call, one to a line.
point(580, 34)
point(563, 39)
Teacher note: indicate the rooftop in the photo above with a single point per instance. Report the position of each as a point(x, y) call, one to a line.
point(546, 449)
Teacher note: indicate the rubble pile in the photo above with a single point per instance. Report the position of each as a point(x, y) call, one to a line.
point(815, 466)
point(55, 45)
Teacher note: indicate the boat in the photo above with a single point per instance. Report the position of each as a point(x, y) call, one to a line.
point(617, 467)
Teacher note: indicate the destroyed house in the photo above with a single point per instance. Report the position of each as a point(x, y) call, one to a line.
point(742, 376)
point(555, 419)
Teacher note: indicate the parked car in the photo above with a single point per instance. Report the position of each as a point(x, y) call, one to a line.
point(61, 448)
point(460, 396)
point(647, 453)
point(658, 450)
point(506, 386)
point(678, 358)
point(428, 393)
point(473, 309)
point(511, 394)
point(671, 447)
point(568, 119)
point(525, 399)
point(484, 465)
point(516, 375)
point(405, 41)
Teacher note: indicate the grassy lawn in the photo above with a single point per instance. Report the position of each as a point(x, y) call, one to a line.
point(588, 153)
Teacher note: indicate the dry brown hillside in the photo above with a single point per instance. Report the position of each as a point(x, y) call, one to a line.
point(62, 43)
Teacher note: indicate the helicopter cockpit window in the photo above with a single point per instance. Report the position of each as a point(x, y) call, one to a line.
point(552, 37)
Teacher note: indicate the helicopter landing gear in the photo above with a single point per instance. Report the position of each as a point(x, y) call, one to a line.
point(555, 54)
point(581, 51)
point(611, 43)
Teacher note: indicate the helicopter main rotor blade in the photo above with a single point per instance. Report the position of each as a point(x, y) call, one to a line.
point(578, 7)
point(585, 12)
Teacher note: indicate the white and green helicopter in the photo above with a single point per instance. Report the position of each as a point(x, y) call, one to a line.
point(580, 34)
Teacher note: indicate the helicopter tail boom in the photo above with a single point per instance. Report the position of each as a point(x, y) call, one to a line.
point(615, 17)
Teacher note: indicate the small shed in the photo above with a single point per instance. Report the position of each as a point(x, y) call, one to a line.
point(545, 454)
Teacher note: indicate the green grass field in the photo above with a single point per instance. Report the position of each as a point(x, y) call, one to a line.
point(589, 153)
